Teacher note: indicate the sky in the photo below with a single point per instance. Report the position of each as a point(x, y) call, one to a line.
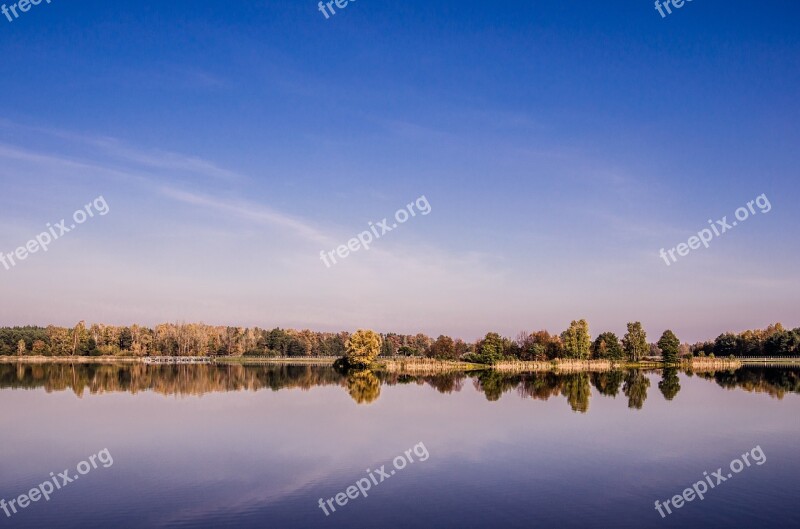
point(559, 145)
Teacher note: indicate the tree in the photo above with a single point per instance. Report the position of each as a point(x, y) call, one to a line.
point(443, 348)
point(363, 347)
point(125, 339)
point(635, 341)
point(21, 348)
point(461, 348)
point(576, 340)
point(39, 347)
point(80, 338)
point(490, 349)
point(670, 346)
point(539, 346)
point(725, 344)
point(607, 346)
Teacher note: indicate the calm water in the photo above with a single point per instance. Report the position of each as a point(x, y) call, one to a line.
point(233, 446)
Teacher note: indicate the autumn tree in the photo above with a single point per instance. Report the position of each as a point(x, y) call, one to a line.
point(362, 347)
point(443, 348)
point(39, 347)
point(80, 338)
point(635, 342)
point(461, 348)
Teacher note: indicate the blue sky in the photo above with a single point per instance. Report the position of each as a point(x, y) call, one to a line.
point(560, 145)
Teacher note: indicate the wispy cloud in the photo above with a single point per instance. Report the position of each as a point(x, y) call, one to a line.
point(251, 212)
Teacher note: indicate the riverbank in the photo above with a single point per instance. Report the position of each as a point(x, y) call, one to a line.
point(413, 365)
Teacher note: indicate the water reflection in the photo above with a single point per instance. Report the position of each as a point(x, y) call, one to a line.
point(364, 386)
point(670, 384)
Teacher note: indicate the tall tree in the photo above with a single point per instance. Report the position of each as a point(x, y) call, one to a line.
point(635, 341)
point(670, 347)
point(80, 338)
point(576, 340)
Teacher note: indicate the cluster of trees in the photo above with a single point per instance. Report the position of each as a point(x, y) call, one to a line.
point(189, 340)
point(574, 343)
point(772, 341)
point(206, 340)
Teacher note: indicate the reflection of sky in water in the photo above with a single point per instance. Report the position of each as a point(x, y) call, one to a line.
point(262, 459)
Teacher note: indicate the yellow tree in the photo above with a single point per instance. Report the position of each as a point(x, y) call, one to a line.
point(362, 347)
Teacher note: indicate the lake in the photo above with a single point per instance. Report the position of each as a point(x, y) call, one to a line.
point(232, 446)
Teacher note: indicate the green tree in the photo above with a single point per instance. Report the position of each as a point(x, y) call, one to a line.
point(635, 342)
point(491, 348)
point(670, 346)
point(362, 347)
point(607, 346)
point(725, 344)
point(576, 340)
point(125, 339)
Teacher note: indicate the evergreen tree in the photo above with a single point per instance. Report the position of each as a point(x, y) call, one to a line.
point(670, 346)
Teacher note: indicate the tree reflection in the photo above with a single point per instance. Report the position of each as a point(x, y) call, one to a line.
point(635, 388)
point(576, 389)
point(363, 386)
point(670, 384)
point(608, 383)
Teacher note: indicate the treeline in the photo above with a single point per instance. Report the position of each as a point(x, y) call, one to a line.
point(182, 339)
point(772, 341)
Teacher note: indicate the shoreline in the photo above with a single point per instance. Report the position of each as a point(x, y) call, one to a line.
point(418, 365)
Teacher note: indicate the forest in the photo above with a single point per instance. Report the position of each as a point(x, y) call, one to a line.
point(192, 339)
